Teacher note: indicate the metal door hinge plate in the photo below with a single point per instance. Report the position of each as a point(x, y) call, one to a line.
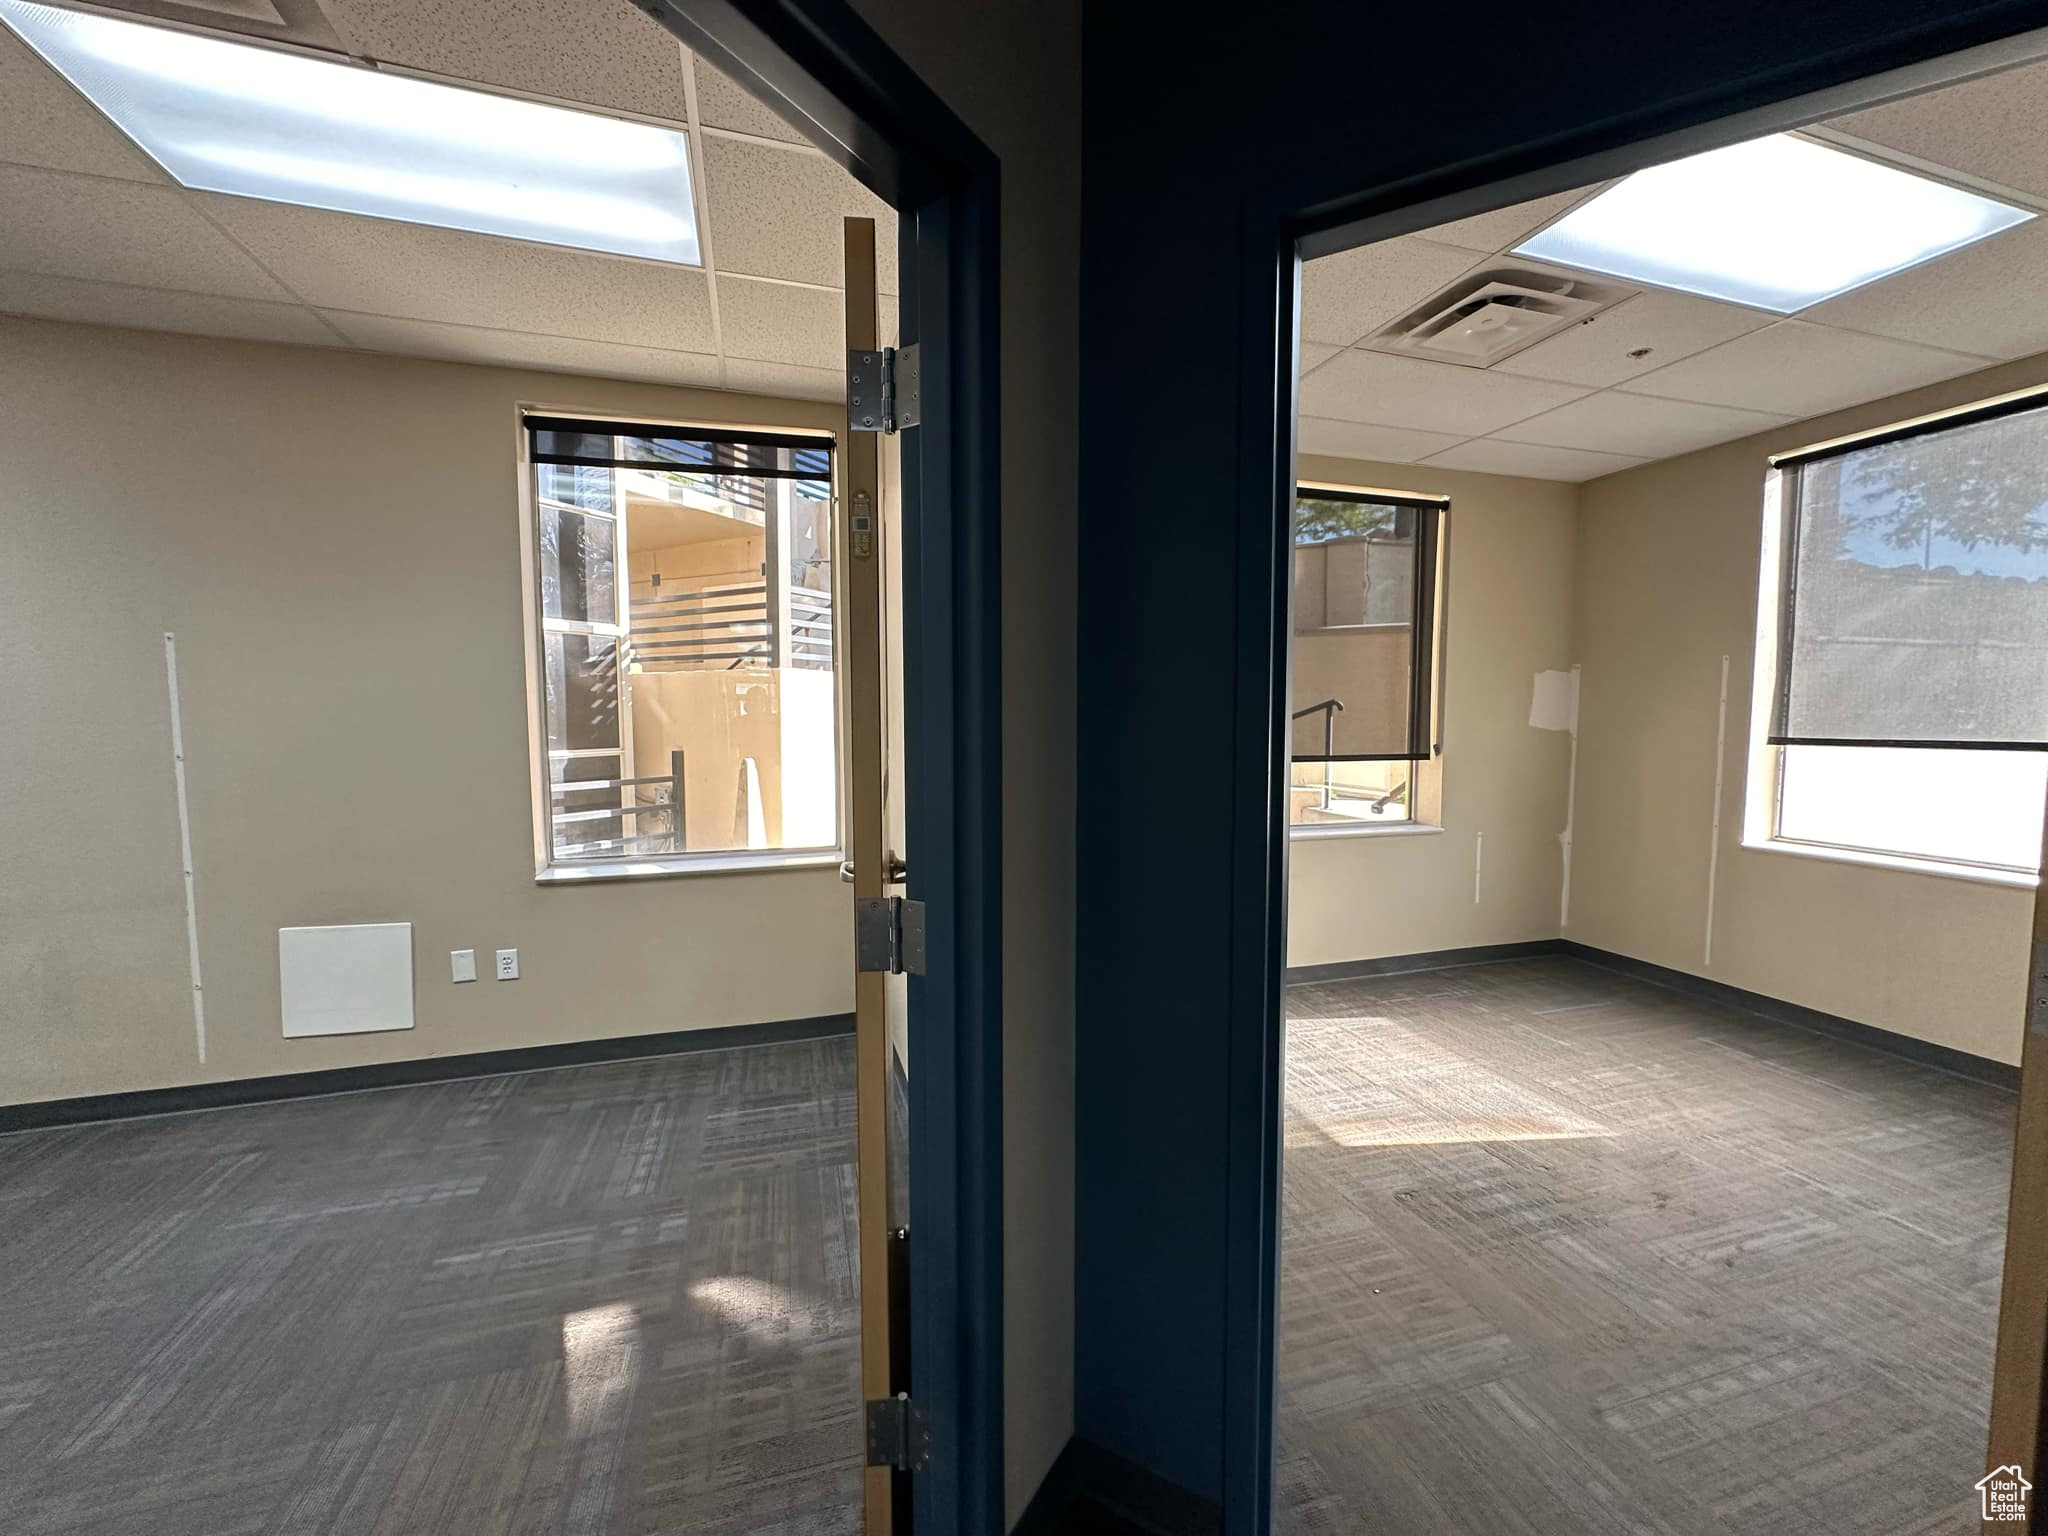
point(888, 935)
point(883, 389)
point(2037, 990)
point(908, 381)
point(899, 1434)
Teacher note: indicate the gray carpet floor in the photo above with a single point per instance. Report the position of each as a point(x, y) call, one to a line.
point(1567, 1254)
point(1564, 1254)
point(610, 1299)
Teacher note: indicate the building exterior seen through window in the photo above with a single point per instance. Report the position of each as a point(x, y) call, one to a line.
point(1908, 639)
point(1364, 582)
point(684, 606)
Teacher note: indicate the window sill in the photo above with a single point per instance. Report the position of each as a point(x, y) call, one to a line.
point(688, 864)
point(1333, 832)
point(1975, 874)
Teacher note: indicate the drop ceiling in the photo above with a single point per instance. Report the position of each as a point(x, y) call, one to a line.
point(1663, 373)
point(92, 230)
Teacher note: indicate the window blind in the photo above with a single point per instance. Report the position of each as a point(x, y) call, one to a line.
point(1914, 600)
point(1364, 625)
point(628, 445)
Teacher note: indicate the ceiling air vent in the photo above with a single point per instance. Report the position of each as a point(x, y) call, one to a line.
point(1486, 316)
point(280, 21)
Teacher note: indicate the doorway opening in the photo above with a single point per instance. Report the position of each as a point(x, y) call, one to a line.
point(480, 556)
point(1664, 811)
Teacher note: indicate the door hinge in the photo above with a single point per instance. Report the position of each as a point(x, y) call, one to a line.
point(2037, 990)
point(888, 935)
point(882, 389)
point(899, 1434)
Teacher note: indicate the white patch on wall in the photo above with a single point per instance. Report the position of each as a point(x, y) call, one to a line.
point(352, 979)
point(1554, 704)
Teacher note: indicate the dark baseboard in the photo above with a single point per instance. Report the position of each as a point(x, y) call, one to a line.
point(1092, 1491)
point(398, 1074)
point(1429, 960)
point(1946, 1058)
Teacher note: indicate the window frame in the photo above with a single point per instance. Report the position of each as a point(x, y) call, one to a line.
point(1764, 786)
point(548, 869)
point(1429, 641)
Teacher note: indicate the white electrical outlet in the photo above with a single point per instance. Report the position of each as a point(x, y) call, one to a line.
point(508, 965)
point(462, 964)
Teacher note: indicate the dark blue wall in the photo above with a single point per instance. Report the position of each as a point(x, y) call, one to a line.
point(1204, 132)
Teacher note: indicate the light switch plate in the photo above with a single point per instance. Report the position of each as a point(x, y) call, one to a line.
point(508, 965)
point(462, 964)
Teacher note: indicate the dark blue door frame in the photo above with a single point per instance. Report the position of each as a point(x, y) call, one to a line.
point(1275, 234)
point(825, 71)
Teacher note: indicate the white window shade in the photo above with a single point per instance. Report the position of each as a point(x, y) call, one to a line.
point(1915, 602)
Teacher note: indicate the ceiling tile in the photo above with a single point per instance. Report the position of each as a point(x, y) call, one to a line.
point(119, 232)
point(1357, 440)
point(1503, 227)
point(1796, 369)
point(49, 123)
point(1491, 456)
point(1985, 298)
point(1596, 353)
point(785, 381)
point(781, 323)
point(1990, 128)
point(157, 309)
point(607, 55)
point(1637, 426)
point(776, 213)
point(371, 266)
point(1313, 354)
point(1428, 397)
point(513, 349)
point(1353, 292)
point(723, 104)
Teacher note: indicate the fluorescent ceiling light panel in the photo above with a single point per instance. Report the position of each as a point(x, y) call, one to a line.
point(1778, 223)
point(256, 122)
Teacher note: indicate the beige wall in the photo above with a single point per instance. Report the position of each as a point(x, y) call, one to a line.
point(335, 539)
point(1508, 616)
point(1012, 70)
point(1666, 585)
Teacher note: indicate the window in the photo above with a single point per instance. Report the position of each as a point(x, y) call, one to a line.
point(1906, 636)
point(1365, 572)
point(683, 601)
point(1919, 802)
